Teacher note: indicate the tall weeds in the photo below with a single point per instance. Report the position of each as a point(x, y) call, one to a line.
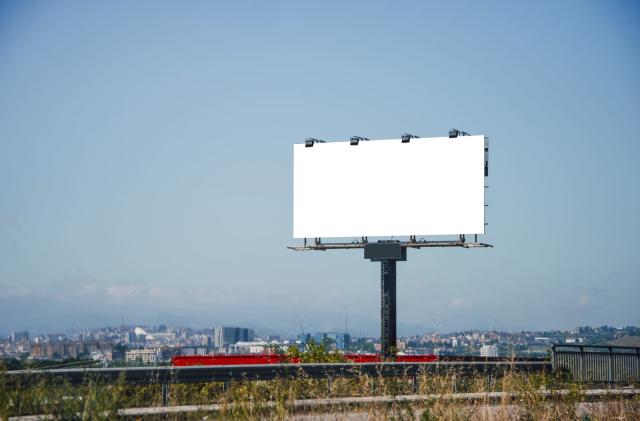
point(525, 398)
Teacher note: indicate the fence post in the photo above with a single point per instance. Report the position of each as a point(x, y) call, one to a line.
point(610, 373)
point(583, 368)
point(165, 394)
point(414, 383)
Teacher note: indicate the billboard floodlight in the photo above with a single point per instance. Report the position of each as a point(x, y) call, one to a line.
point(308, 142)
point(407, 137)
point(453, 133)
point(356, 139)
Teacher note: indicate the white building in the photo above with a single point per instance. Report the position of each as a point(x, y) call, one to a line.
point(145, 356)
point(254, 347)
point(489, 351)
point(163, 337)
point(98, 355)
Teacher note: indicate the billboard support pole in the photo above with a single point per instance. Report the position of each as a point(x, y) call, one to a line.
point(387, 253)
point(388, 308)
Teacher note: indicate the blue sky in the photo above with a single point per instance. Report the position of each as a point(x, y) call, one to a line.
point(146, 160)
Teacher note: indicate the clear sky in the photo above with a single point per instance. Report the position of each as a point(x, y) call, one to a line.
point(146, 160)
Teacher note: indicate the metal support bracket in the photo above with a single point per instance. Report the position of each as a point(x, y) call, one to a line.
point(412, 243)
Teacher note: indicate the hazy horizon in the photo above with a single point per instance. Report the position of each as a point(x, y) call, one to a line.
point(146, 160)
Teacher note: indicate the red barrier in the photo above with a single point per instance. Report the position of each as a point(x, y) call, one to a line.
point(362, 358)
point(248, 359)
point(416, 358)
point(233, 359)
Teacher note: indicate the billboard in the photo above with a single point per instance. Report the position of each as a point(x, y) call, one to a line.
point(428, 186)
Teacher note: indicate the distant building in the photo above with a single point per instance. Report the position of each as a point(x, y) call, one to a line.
point(223, 335)
point(401, 345)
point(62, 350)
point(164, 337)
point(258, 347)
point(55, 337)
point(489, 351)
point(144, 356)
point(201, 340)
point(98, 355)
point(341, 340)
point(193, 350)
point(129, 337)
point(20, 336)
point(43, 350)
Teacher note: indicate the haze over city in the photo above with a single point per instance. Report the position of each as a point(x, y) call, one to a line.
point(146, 161)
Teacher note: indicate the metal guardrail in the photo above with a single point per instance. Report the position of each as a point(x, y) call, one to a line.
point(344, 403)
point(226, 373)
point(592, 363)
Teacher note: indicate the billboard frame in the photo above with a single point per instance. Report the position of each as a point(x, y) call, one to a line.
point(430, 187)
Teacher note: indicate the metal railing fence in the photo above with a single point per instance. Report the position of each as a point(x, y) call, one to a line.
point(603, 364)
point(592, 363)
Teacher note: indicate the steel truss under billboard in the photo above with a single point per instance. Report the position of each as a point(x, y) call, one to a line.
point(426, 186)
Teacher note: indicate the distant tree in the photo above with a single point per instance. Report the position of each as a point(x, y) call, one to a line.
point(314, 353)
point(119, 349)
point(10, 364)
point(274, 349)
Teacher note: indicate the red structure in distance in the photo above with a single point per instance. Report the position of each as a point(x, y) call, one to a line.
point(249, 359)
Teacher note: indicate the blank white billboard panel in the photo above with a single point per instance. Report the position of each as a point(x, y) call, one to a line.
point(429, 186)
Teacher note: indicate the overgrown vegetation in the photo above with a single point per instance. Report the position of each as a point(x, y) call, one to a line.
point(314, 353)
point(248, 400)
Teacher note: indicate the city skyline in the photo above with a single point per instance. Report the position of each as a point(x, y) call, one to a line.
point(152, 345)
point(77, 331)
point(145, 153)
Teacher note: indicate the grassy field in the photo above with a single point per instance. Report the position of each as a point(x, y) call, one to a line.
point(526, 398)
